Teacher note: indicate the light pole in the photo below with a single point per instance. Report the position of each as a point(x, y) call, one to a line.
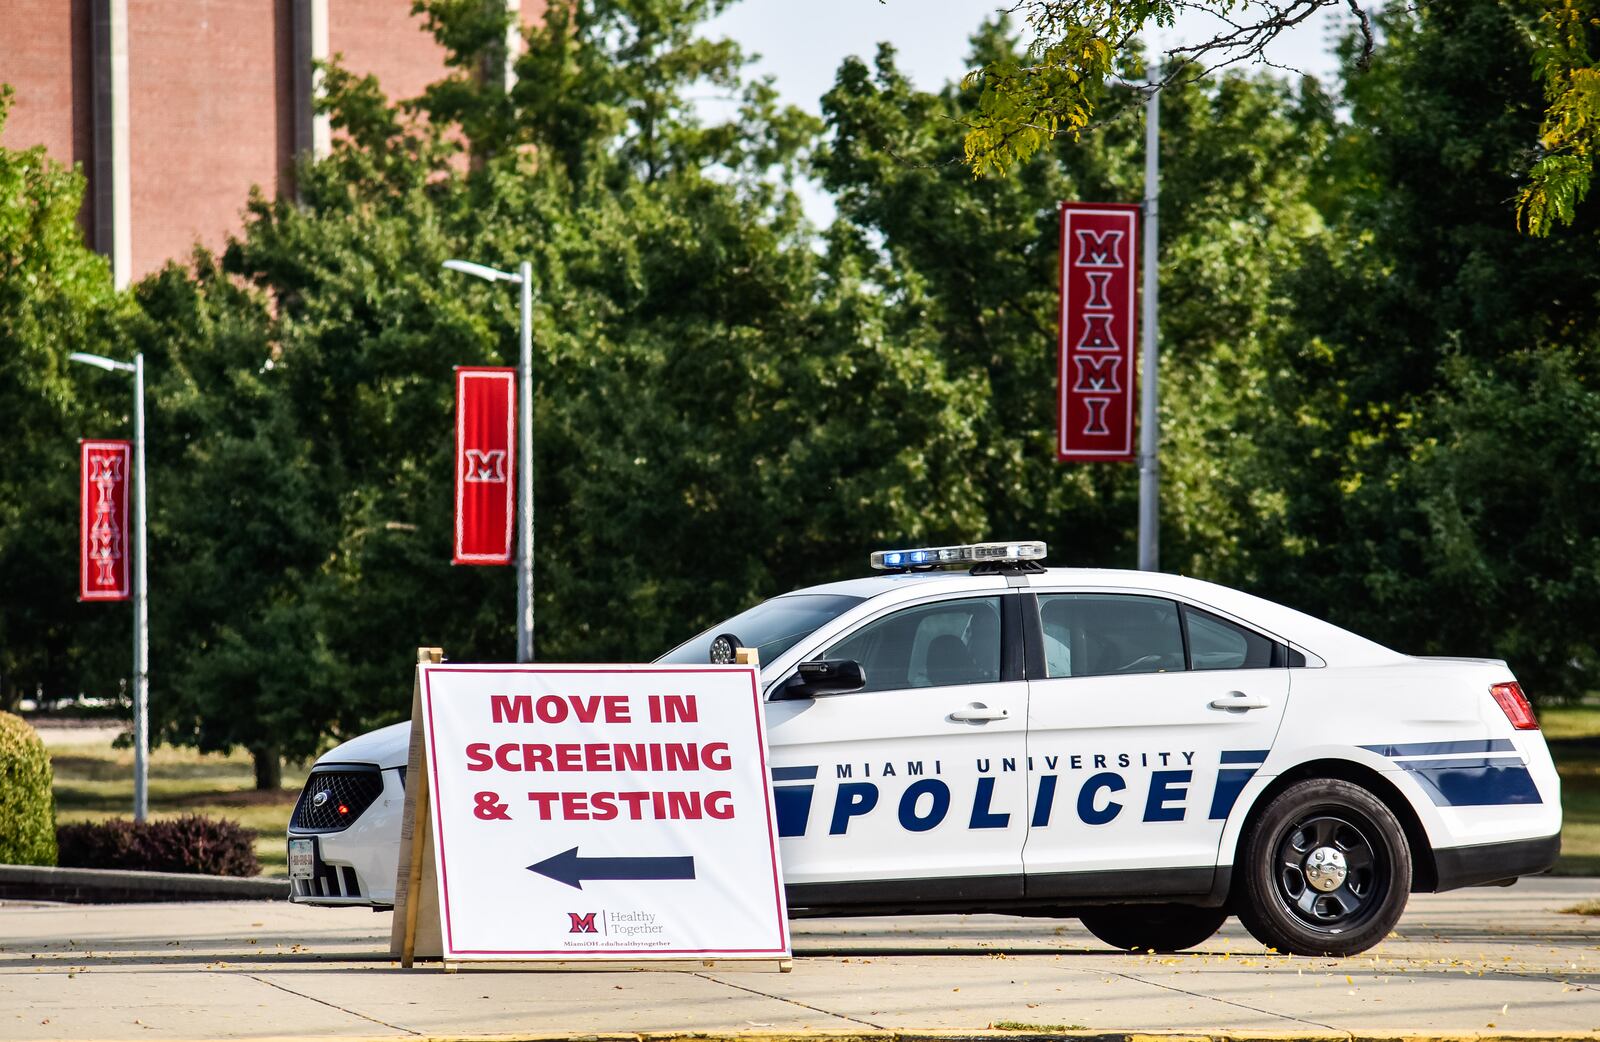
point(523, 279)
point(1149, 416)
point(141, 585)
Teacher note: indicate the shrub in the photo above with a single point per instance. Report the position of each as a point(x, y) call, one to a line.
point(27, 805)
point(192, 843)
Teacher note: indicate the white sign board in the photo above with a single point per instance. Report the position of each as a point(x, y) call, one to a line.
point(602, 812)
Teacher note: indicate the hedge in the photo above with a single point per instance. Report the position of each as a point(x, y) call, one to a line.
point(192, 844)
point(27, 804)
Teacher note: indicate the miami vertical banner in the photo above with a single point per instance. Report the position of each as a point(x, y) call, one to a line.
point(1098, 332)
point(486, 418)
point(103, 556)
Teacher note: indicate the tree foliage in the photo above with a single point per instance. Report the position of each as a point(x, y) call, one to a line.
point(1076, 46)
point(1439, 372)
point(720, 413)
point(1377, 395)
point(972, 268)
point(1564, 61)
point(56, 297)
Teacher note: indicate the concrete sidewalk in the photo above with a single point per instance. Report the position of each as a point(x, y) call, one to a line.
point(1477, 962)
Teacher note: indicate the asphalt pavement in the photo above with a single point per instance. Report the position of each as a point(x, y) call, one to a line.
point(1477, 962)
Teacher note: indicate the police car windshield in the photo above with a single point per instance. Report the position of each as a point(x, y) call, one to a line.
point(771, 627)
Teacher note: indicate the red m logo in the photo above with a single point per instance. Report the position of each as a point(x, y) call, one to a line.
point(486, 465)
point(582, 923)
point(1096, 373)
point(1099, 249)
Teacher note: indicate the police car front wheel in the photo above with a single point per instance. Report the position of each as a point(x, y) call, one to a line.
point(1159, 928)
point(1326, 870)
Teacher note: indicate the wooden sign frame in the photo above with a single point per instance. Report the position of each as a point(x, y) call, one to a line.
point(416, 888)
point(416, 932)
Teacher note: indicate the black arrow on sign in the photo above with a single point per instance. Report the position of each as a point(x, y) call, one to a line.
point(567, 867)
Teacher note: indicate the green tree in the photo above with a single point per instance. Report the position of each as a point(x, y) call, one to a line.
point(1564, 60)
point(1433, 349)
point(1053, 86)
point(239, 531)
point(56, 297)
point(721, 412)
point(971, 268)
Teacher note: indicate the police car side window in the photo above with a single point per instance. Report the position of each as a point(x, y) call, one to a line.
point(1216, 643)
point(1093, 634)
point(933, 645)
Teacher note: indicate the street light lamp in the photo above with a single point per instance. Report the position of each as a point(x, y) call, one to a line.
point(523, 279)
point(141, 584)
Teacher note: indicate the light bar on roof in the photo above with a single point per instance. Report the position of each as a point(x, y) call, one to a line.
point(957, 556)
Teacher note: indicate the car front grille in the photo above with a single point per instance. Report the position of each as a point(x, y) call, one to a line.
point(350, 789)
point(329, 881)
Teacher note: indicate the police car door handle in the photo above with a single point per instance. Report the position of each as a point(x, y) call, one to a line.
point(1240, 700)
point(977, 712)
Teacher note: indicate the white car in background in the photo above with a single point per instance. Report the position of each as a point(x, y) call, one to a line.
point(1147, 753)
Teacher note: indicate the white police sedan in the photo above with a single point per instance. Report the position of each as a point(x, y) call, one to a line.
point(972, 732)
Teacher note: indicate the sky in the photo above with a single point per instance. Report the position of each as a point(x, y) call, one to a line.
point(802, 42)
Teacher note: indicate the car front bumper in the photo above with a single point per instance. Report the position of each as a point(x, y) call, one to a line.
point(356, 865)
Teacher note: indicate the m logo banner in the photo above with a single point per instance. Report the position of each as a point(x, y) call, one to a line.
point(1098, 328)
point(581, 923)
point(103, 557)
point(486, 417)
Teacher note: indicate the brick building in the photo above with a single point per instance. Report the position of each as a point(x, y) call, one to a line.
point(175, 108)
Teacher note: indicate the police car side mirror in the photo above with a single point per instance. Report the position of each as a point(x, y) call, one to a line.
point(825, 677)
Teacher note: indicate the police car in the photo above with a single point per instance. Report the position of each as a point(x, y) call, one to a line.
point(969, 731)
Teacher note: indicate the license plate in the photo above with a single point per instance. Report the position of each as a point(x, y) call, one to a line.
point(302, 858)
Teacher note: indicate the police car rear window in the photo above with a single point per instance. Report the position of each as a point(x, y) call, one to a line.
point(1091, 635)
point(1216, 643)
point(771, 627)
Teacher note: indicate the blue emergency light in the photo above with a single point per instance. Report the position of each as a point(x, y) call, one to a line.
point(965, 555)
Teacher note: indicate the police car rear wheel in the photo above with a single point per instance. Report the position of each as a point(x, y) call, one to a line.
point(1161, 928)
point(1326, 870)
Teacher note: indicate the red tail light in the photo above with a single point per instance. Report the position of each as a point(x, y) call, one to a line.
point(1515, 704)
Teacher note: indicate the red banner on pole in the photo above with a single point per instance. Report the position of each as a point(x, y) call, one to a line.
point(1098, 332)
point(103, 555)
point(486, 419)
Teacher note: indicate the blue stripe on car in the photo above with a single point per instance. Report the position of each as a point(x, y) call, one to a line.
point(1462, 761)
point(791, 803)
point(1475, 783)
point(1230, 782)
point(1476, 745)
point(1244, 755)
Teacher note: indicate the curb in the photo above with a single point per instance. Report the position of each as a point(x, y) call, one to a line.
point(118, 886)
point(988, 1035)
point(992, 1035)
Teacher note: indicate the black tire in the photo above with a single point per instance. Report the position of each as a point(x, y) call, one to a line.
point(1276, 898)
point(1161, 928)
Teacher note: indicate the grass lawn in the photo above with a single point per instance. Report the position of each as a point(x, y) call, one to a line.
point(1574, 736)
point(94, 781)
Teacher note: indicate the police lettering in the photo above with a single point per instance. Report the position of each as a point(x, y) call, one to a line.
point(1099, 798)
